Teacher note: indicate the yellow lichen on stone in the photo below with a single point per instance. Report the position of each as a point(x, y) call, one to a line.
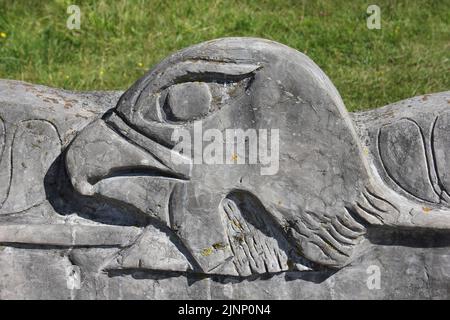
point(219, 246)
point(206, 252)
point(237, 223)
point(426, 209)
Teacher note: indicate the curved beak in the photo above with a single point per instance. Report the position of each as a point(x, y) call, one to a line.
point(109, 148)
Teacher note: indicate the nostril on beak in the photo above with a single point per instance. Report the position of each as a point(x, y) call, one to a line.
point(100, 152)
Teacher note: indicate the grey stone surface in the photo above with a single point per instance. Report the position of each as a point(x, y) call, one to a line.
point(95, 204)
point(188, 100)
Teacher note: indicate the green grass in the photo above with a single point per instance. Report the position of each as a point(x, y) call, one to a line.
point(119, 40)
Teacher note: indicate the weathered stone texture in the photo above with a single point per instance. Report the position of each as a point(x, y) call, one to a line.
point(96, 204)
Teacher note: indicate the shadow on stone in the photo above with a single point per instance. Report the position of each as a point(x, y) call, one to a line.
point(65, 201)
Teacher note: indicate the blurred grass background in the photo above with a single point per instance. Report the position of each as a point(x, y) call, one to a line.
point(119, 40)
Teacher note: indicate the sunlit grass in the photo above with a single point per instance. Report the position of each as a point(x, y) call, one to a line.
point(119, 40)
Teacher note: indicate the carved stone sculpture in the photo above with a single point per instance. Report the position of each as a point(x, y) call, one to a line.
point(95, 202)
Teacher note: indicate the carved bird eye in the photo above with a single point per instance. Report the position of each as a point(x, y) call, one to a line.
point(188, 91)
point(190, 101)
point(187, 101)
